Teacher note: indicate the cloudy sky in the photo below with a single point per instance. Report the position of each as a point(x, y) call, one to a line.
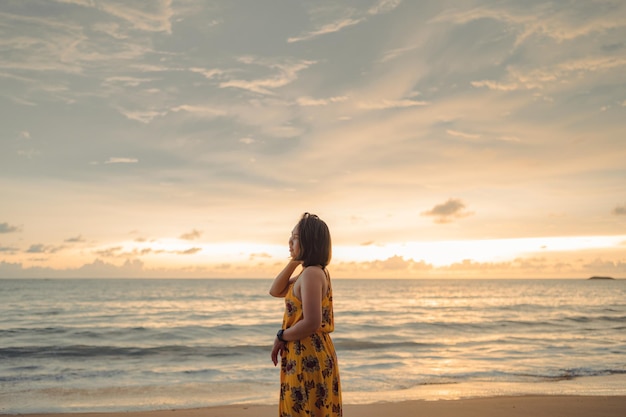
point(184, 138)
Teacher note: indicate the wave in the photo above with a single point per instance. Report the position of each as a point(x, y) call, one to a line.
point(86, 351)
point(587, 319)
point(184, 351)
point(85, 333)
point(356, 344)
point(569, 374)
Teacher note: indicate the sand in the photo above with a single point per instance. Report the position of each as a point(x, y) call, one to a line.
point(527, 406)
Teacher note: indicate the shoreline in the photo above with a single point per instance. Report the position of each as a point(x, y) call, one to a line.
point(425, 398)
point(498, 406)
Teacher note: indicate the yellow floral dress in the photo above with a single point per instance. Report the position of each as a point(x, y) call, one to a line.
point(309, 375)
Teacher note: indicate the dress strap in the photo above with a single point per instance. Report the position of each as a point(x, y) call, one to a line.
point(327, 280)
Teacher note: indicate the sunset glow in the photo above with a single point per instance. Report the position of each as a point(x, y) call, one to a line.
point(448, 140)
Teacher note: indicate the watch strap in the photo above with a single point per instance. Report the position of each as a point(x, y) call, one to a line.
point(279, 335)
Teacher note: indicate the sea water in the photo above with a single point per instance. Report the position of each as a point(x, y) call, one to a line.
point(121, 345)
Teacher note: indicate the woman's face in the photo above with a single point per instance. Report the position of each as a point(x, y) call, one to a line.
point(294, 243)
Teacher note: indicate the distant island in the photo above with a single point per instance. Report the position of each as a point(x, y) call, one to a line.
point(595, 277)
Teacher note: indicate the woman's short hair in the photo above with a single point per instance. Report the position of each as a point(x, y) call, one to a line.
point(314, 241)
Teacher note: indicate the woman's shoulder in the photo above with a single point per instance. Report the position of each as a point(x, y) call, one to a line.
point(314, 275)
point(313, 271)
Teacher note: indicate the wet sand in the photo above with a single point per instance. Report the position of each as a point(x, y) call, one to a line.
point(526, 406)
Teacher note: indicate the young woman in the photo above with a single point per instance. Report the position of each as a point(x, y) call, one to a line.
point(309, 375)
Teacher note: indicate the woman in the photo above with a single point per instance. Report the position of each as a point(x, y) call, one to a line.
point(309, 376)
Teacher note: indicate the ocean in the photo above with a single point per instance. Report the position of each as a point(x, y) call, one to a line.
point(124, 345)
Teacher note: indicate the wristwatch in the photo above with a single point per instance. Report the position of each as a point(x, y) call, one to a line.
point(279, 335)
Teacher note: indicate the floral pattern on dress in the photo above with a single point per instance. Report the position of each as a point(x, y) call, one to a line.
point(310, 384)
point(290, 308)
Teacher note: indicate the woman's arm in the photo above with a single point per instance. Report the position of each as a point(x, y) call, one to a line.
point(281, 282)
point(312, 283)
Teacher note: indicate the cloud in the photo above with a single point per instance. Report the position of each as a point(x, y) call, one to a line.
point(396, 266)
point(382, 6)
point(398, 262)
point(143, 116)
point(101, 269)
point(495, 85)
point(44, 54)
point(521, 267)
point(552, 77)
point(150, 16)
point(127, 81)
point(8, 249)
point(112, 29)
point(565, 71)
point(332, 27)
point(189, 251)
point(285, 73)
point(463, 135)
point(41, 248)
point(605, 266)
point(535, 266)
point(76, 239)
point(7, 228)
point(194, 234)
point(59, 41)
point(556, 265)
point(510, 139)
point(559, 24)
point(395, 53)
point(262, 255)
point(619, 211)
point(115, 160)
point(312, 102)
point(131, 268)
point(200, 133)
point(109, 252)
point(390, 104)
point(84, 3)
point(208, 73)
point(119, 252)
point(448, 211)
point(200, 111)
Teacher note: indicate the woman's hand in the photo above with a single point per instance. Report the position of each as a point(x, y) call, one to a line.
point(281, 282)
point(277, 350)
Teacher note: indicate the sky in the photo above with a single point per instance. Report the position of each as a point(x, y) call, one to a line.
point(437, 139)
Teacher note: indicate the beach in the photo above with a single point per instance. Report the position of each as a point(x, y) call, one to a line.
point(535, 406)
